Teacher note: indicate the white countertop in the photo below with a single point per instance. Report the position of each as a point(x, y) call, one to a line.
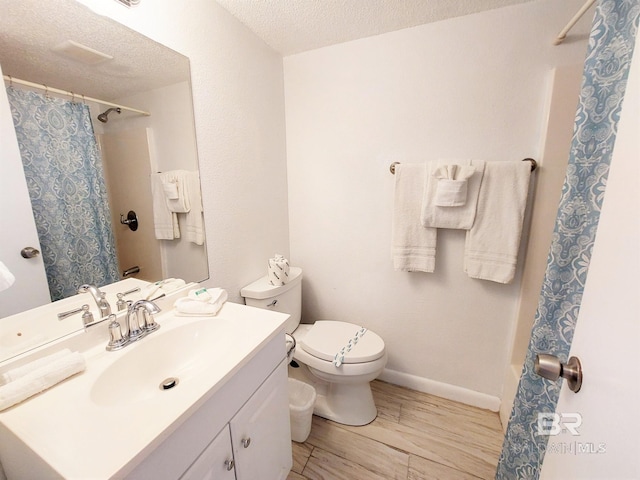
point(81, 438)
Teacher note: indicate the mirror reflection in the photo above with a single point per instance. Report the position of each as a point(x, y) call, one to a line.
point(140, 216)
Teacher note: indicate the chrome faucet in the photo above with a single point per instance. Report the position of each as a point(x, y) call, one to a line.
point(99, 297)
point(139, 320)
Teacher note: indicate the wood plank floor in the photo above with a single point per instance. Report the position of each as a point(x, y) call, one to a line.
point(416, 436)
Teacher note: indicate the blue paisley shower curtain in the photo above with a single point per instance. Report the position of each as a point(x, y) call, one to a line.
point(66, 185)
point(611, 46)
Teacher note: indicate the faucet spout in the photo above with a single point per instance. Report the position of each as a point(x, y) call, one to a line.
point(137, 325)
point(99, 297)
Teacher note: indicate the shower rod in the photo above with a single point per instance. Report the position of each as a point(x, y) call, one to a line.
point(74, 96)
point(534, 165)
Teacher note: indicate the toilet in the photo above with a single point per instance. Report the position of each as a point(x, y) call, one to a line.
point(339, 359)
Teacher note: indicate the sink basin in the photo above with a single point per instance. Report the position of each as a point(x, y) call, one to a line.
point(181, 353)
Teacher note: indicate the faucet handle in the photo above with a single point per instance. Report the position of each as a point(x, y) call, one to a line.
point(150, 324)
point(87, 316)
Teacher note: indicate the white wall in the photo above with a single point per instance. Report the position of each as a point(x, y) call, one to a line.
point(467, 87)
point(239, 115)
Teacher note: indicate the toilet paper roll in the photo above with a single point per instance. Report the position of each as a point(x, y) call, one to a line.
point(278, 270)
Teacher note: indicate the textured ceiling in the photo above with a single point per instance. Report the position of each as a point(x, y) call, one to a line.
point(30, 28)
point(293, 26)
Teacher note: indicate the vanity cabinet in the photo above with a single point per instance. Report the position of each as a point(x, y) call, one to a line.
point(255, 443)
point(216, 462)
point(246, 421)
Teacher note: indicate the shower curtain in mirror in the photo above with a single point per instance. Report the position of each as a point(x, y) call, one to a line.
point(65, 179)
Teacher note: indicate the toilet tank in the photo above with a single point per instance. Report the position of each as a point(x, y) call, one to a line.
point(285, 299)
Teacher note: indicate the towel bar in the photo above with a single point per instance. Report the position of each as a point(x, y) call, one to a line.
point(534, 165)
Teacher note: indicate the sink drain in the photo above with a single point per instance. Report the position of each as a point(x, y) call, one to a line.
point(168, 383)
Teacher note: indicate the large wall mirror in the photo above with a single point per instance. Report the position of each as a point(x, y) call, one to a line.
point(46, 43)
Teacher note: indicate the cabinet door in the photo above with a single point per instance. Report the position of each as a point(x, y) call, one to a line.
point(216, 462)
point(260, 431)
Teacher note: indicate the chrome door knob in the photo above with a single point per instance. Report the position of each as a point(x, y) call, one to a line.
point(549, 366)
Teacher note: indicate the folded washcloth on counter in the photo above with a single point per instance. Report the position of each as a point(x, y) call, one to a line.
point(41, 379)
point(165, 286)
point(21, 371)
point(202, 302)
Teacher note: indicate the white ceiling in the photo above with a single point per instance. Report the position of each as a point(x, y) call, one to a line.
point(30, 28)
point(293, 26)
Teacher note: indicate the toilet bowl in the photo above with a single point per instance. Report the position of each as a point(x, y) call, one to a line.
point(339, 359)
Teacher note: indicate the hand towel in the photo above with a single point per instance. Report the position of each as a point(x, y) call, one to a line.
point(278, 270)
point(190, 307)
point(491, 246)
point(413, 246)
point(21, 371)
point(6, 277)
point(165, 222)
point(458, 217)
point(41, 379)
point(194, 220)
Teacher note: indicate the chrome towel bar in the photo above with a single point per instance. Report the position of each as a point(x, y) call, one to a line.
point(534, 165)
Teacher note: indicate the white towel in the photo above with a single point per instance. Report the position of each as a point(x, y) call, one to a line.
point(41, 379)
point(182, 182)
point(491, 246)
point(194, 220)
point(190, 307)
point(413, 246)
point(165, 222)
point(18, 372)
point(459, 217)
point(6, 277)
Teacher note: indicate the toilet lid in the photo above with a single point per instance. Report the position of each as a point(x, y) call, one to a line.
point(326, 338)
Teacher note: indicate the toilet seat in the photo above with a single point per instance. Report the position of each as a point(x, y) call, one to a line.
point(326, 338)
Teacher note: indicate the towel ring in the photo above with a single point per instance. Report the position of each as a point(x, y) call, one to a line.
point(534, 165)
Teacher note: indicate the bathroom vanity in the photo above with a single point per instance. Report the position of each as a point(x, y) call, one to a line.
point(200, 398)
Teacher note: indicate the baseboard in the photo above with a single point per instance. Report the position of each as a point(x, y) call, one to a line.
point(511, 380)
point(444, 390)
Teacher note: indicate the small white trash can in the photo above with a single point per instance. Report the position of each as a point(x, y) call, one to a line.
point(302, 398)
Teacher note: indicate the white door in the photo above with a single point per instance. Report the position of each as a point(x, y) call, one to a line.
point(601, 439)
point(18, 229)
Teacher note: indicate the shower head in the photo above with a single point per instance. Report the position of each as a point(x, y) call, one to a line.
point(104, 117)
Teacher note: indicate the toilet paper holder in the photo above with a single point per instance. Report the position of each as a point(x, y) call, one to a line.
point(550, 367)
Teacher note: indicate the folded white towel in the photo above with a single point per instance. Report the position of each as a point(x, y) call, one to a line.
point(6, 277)
point(179, 178)
point(165, 222)
point(18, 372)
point(451, 216)
point(491, 246)
point(413, 247)
point(187, 306)
point(41, 379)
point(171, 190)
